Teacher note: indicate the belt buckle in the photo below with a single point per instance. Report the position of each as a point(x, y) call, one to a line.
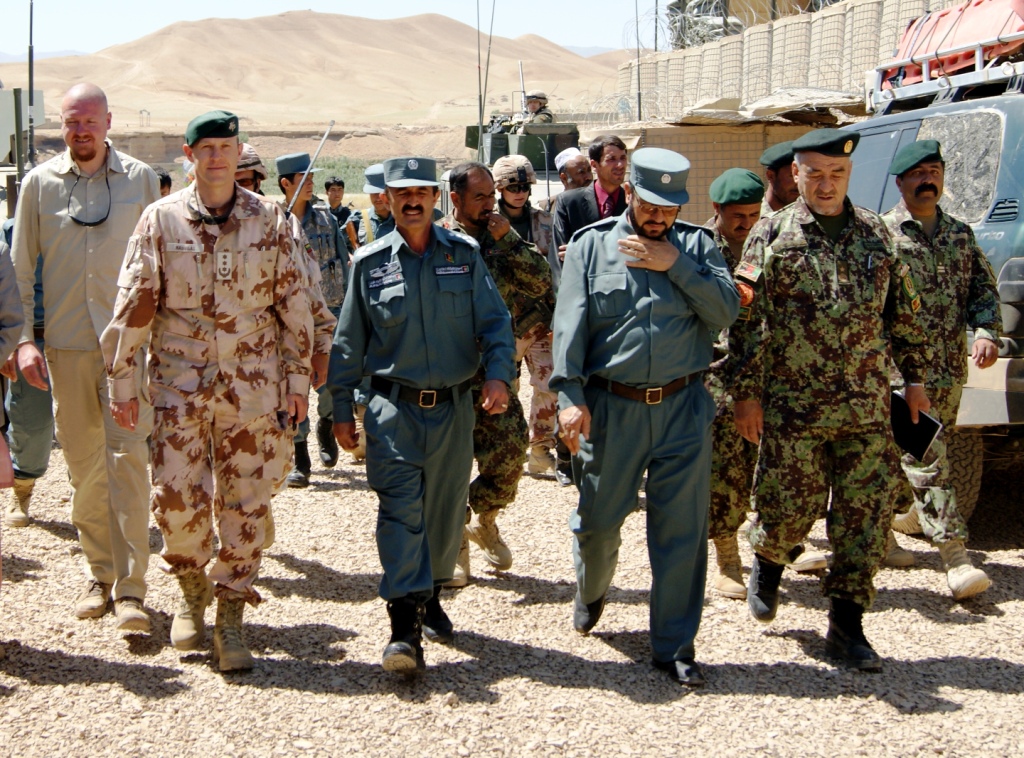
point(651, 398)
point(423, 398)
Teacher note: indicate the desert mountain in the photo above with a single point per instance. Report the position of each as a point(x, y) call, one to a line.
point(303, 68)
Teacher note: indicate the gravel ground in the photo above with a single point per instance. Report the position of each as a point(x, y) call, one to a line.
point(518, 680)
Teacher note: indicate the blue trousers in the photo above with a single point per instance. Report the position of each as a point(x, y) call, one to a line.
point(418, 461)
point(30, 435)
point(671, 442)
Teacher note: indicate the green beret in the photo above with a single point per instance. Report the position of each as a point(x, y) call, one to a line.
point(910, 155)
point(778, 156)
point(837, 143)
point(212, 124)
point(737, 185)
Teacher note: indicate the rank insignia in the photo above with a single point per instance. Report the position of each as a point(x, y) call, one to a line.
point(223, 265)
point(843, 272)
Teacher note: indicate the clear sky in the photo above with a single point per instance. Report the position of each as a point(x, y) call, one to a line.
point(88, 27)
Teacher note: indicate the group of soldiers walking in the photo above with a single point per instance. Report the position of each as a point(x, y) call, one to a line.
point(745, 365)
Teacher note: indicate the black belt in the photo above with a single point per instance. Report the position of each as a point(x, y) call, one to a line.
point(38, 332)
point(649, 395)
point(422, 398)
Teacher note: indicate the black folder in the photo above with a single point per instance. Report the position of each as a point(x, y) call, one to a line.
point(912, 438)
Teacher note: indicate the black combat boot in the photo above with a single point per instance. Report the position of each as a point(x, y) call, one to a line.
point(586, 615)
point(437, 627)
point(328, 445)
point(845, 640)
point(404, 652)
point(763, 589)
point(299, 477)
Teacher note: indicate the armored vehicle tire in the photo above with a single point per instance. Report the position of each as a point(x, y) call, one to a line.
point(965, 452)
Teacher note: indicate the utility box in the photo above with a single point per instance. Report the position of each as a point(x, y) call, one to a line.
point(7, 121)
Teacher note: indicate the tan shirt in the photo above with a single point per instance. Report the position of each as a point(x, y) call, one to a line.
point(80, 264)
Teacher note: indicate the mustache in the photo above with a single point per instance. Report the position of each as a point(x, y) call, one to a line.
point(925, 188)
point(406, 208)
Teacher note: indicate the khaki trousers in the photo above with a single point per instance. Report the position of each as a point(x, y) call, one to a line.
point(107, 466)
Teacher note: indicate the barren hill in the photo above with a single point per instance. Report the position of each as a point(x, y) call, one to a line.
point(299, 69)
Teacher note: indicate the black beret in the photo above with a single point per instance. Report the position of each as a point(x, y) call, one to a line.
point(778, 156)
point(838, 143)
point(910, 155)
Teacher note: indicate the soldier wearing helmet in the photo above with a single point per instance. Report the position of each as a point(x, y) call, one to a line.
point(537, 105)
point(251, 172)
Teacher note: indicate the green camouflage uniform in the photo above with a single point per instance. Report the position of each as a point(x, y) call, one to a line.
point(500, 440)
point(958, 289)
point(732, 458)
point(814, 347)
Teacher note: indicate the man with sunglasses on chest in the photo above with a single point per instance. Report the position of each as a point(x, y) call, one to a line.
point(77, 211)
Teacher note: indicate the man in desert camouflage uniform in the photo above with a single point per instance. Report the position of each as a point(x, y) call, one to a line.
point(736, 196)
point(499, 441)
point(209, 280)
point(957, 288)
point(824, 297)
point(513, 177)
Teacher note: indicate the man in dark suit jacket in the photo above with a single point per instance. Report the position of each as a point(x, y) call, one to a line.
point(577, 208)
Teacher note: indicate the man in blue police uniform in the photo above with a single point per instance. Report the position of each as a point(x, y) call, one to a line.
point(421, 315)
point(640, 301)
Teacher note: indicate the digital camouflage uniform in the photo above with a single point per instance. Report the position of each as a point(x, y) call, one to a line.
point(813, 344)
point(732, 458)
point(534, 346)
point(958, 289)
point(229, 333)
point(500, 440)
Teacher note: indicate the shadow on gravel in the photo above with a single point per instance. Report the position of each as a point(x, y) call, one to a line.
point(60, 529)
point(998, 521)
point(319, 582)
point(17, 569)
point(536, 591)
point(48, 667)
point(307, 642)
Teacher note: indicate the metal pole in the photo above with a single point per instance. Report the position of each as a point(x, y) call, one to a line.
point(310, 166)
point(19, 141)
point(639, 97)
point(655, 25)
point(31, 89)
point(480, 92)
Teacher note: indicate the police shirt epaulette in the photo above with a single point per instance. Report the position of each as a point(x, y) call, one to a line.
point(693, 227)
point(464, 238)
point(605, 222)
point(374, 247)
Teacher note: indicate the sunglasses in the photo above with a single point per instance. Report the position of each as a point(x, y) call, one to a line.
point(71, 196)
point(517, 188)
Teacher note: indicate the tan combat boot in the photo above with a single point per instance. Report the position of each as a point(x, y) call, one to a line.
point(541, 462)
point(17, 506)
point(461, 576)
point(229, 648)
point(963, 579)
point(729, 582)
point(484, 532)
point(895, 556)
point(907, 523)
point(187, 628)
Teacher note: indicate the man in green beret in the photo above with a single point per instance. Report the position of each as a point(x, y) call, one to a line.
point(210, 283)
point(778, 170)
point(827, 303)
point(957, 289)
point(330, 252)
point(737, 197)
point(641, 297)
point(421, 316)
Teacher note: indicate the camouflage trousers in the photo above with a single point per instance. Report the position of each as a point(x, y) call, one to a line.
point(795, 470)
point(499, 446)
point(932, 493)
point(207, 462)
point(732, 476)
point(535, 348)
